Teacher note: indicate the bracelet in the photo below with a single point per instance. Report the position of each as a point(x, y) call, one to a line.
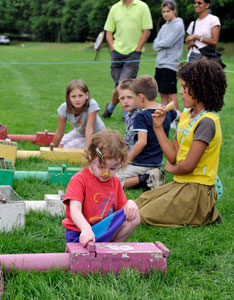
point(201, 39)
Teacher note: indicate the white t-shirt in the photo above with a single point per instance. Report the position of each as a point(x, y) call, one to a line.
point(202, 28)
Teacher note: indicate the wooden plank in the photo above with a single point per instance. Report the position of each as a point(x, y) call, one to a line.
point(63, 154)
point(57, 154)
point(24, 154)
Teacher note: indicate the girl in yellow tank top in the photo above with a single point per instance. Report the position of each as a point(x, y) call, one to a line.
point(194, 154)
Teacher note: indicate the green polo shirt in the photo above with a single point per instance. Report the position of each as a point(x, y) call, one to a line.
point(128, 23)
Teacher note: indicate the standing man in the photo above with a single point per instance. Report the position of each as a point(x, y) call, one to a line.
point(127, 29)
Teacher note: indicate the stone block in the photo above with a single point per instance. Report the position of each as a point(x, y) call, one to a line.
point(12, 214)
point(54, 204)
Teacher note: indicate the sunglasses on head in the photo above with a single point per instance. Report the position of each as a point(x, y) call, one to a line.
point(198, 2)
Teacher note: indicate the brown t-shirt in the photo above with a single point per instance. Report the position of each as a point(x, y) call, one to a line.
point(204, 131)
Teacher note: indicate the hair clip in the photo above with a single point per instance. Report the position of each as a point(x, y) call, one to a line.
point(99, 153)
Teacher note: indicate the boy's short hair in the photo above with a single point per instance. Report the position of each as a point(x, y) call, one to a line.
point(125, 84)
point(145, 85)
point(111, 145)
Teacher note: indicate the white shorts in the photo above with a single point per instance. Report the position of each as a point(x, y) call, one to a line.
point(131, 171)
point(73, 139)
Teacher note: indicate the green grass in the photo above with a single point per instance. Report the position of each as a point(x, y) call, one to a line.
point(201, 262)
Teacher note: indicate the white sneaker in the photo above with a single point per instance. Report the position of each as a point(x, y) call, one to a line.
point(156, 178)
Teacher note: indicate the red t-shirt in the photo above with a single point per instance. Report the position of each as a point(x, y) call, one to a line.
point(99, 199)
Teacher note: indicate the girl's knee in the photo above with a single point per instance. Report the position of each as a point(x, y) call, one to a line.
point(134, 223)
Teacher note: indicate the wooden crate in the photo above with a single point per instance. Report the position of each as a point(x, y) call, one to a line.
point(8, 150)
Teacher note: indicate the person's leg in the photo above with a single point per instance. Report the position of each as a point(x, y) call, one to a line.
point(116, 69)
point(173, 97)
point(77, 143)
point(164, 98)
point(73, 139)
point(133, 175)
point(131, 66)
point(121, 71)
point(126, 230)
point(167, 83)
point(114, 100)
point(133, 181)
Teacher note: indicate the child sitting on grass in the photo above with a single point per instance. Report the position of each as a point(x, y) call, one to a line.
point(193, 157)
point(128, 105)
point(95, 195)
point(145, 167)
point(82, 112)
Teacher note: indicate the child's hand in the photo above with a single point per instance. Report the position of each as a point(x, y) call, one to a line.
point(86, 236)
point(131, 210)
point(159, 116)
point(169, 167)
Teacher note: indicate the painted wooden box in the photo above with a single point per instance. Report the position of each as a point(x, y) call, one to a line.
point(106, 257)
point(1, 281)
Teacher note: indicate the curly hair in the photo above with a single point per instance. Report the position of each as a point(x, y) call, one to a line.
point(111, 145)
point(206, 82)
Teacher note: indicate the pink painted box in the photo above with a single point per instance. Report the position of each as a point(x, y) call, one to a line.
point(1, 281)
point(106, 257)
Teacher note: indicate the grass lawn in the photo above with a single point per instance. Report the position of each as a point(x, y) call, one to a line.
point(201, 263)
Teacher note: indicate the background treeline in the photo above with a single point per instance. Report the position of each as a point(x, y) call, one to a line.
point(76, 20)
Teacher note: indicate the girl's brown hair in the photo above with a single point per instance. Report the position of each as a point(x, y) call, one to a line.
point(169, 3)
point(109, 144)
point(81, 85)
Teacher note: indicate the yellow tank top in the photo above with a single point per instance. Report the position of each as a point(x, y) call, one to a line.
point(207, 168)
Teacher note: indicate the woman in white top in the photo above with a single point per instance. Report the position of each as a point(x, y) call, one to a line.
point(205, 32)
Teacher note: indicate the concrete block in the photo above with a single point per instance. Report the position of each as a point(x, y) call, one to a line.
point(54, 204)
point(35, 205)
point(12, 209)
point(7, 192)
point(12, 214)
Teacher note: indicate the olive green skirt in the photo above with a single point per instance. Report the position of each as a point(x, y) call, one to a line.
point(177, 204)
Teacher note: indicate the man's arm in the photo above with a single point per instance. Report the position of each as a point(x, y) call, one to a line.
point(110, 40)
point(144, 37)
